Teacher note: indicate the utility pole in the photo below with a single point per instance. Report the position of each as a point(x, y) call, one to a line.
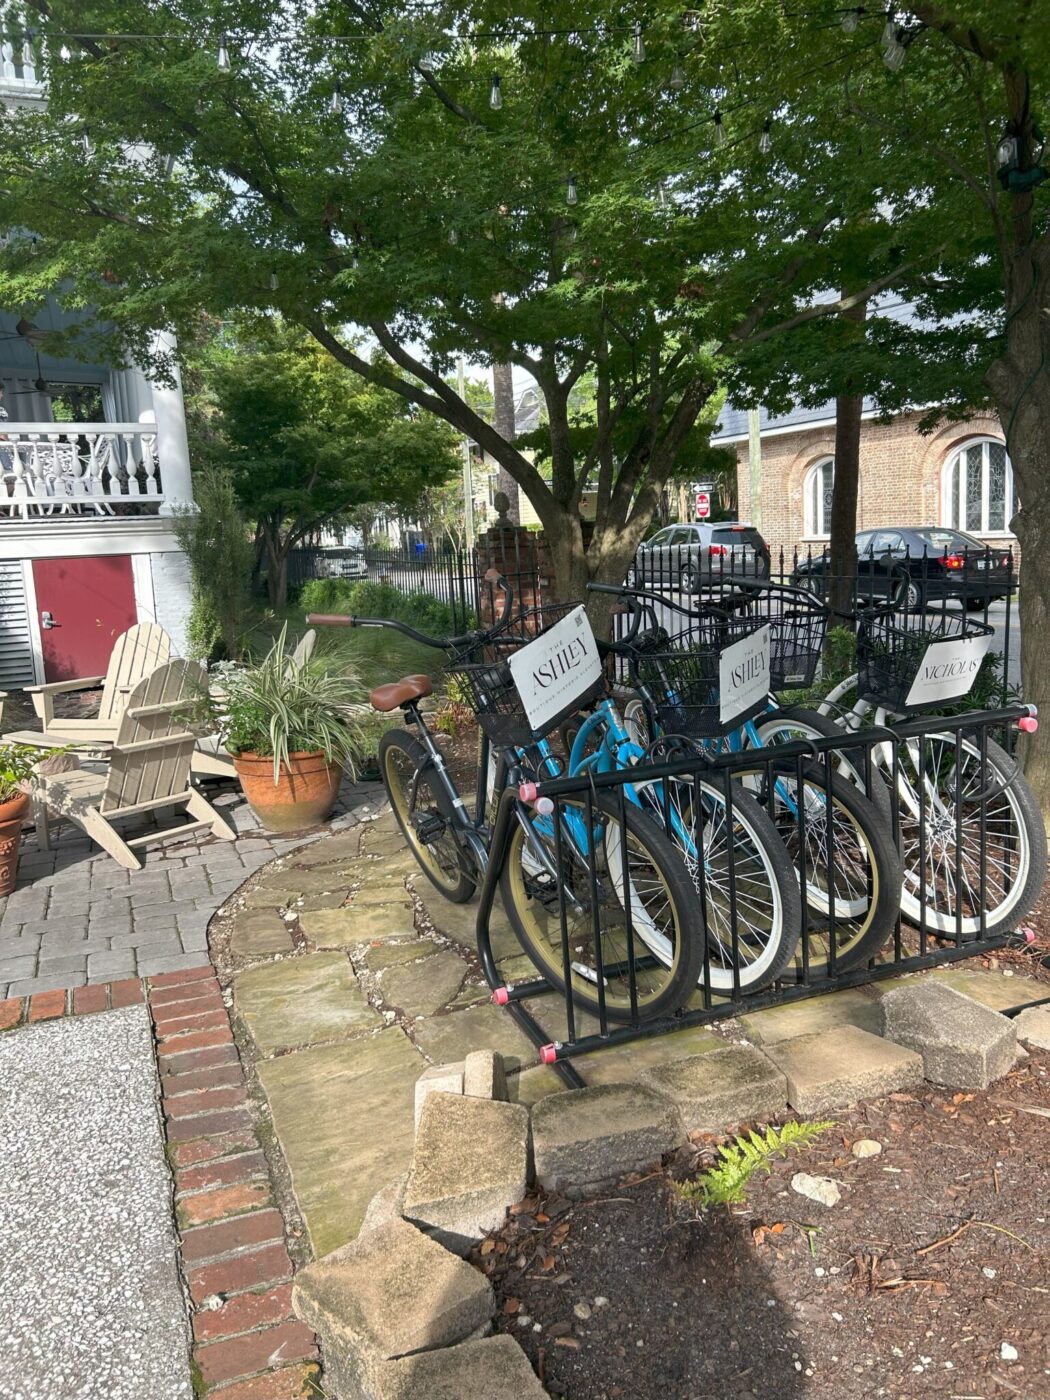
point(468, 474)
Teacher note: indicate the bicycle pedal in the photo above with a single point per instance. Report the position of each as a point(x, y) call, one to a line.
point(430, 826)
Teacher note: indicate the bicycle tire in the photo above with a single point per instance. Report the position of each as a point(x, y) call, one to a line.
point(430, 813)
point(766, 868)
point(1007, 799)
point(861, 883)
point(660, 894)
point(803, 722)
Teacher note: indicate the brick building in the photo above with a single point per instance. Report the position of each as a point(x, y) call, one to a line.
point(959, 475)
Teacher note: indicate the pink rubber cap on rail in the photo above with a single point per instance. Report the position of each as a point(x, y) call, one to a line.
point(527, 792)
point(1028, 725)
point(548, 1054)
point(501, 996)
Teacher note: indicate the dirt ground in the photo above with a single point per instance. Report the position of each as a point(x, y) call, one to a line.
point(930, 1277)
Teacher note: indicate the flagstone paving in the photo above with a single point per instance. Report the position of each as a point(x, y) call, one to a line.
point(385, 980)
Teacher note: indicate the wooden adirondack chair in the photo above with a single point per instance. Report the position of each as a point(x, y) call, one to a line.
point(136, 652)
point(149, 769)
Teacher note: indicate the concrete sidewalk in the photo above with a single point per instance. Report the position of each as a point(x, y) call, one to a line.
point(91, 1307)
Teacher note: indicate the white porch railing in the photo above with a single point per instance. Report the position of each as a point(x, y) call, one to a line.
point(51, 469)
point(12, 69)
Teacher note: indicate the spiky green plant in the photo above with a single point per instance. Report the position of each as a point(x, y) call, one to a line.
point(725, 1182)
point(281, 705)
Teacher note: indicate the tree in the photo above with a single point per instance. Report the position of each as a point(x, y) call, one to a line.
point(217, 545)
point(306, 440)
point(592, 224)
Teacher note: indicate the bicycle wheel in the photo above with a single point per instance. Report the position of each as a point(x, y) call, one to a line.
point(424, 812)
point(946, 883)
point(793, 722)
point(656, 892)
point(840, 843)
point(735, 859)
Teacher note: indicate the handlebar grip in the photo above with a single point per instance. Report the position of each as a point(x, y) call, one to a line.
point(330, 620)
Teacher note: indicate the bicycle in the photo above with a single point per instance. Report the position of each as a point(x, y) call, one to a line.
point(622, 875)
point(838, 842)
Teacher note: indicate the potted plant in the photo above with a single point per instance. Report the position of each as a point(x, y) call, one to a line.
point(291, 730)
point(16, 764)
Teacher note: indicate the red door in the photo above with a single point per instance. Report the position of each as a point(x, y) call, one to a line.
point(82, 605)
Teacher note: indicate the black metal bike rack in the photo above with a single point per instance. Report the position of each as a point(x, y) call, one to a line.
point(911, 947)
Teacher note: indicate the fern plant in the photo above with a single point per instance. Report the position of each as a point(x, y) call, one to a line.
point(725, 1182)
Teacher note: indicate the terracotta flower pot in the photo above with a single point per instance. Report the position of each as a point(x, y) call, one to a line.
point(12, 814)
point(303, 795)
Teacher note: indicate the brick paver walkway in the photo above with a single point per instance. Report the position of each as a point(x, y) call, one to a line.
point(78, 918)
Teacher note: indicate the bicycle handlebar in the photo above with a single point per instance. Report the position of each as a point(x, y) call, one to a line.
point(439, 643)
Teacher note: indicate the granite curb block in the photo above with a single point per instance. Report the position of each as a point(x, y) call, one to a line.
point(841, 1065)
point(734, 1085)
point(587, 1138)
point(963, 1044)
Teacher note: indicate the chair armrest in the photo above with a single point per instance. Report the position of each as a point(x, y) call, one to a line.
point(63, 687)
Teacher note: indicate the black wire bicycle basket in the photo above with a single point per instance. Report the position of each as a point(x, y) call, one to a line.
point(797, 628)
point(488, 686)
point(682, 675)
point(894, 652)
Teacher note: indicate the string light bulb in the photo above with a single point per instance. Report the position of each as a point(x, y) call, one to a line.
point(720, 131)
point(676, 82)
point(34, 246)
point(765, 141)
point(273, 282)
point(335, 102)
point(223, 57)
point(496, 93)
point(889, 33)
point(639, 43)
point(851, 20)
point(572, 194)
point(893, 55)
point(453, 237)
point(85, 138)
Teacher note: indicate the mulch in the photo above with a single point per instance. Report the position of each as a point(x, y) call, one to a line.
point(937, 1255)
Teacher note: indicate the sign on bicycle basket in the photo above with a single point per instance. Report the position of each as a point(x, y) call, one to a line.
point(743, 675)
point(554, 673)
point(948, 669)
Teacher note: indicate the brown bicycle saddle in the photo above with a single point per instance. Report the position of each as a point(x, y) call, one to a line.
point(390, 696)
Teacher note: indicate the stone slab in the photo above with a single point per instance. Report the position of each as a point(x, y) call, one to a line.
point(716, 1091)
point(258, 932)
point(334, 900)
point(393, 954)
point(343, 1117)
point(447, 1039)
point(302, 1001)
point(385, 1205)
point(469, 1166)
point(963, 1044)
point(315, 880)
point(989, 988)
point(343, 928)
point(390, 1294)
point(588, 1137)
point(854, 1006)
point(344, 845)
point(384, 894)
point(622, 1064)
point(437, 1079)
point(459, 921)
point(422, 988)
point(484, 1076)
point(494, 1368)
point(1033, 1025)
point(840, 1065)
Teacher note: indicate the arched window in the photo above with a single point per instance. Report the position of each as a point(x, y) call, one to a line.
point(816, 498)
point(978, 490)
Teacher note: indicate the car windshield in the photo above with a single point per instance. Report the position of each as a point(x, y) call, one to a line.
point(950, 540)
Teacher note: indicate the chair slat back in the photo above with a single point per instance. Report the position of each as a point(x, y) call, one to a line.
point(163, 770)
point(136, 652)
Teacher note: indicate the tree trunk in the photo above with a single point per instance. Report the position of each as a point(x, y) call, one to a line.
point(503, 422)
point(276, 567)
point(842, 550)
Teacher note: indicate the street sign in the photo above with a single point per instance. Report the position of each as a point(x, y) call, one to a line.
point(703, 505)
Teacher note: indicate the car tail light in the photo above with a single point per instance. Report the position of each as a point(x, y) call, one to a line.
point(954, 561)
point(719, 549)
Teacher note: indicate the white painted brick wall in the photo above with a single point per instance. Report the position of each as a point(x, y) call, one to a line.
point(171, 596)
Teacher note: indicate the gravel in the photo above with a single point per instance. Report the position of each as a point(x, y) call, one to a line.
point(91, 1307)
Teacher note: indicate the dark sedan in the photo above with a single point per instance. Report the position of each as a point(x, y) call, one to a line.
point(938, 563)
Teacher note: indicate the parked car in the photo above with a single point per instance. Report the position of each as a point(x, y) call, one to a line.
point(939, 563)
point(691, 557)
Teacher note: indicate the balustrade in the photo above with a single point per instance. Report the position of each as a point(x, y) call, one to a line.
point(49, 469)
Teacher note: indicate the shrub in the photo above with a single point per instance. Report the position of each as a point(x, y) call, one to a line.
point(363, 598)
point(216, 543)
